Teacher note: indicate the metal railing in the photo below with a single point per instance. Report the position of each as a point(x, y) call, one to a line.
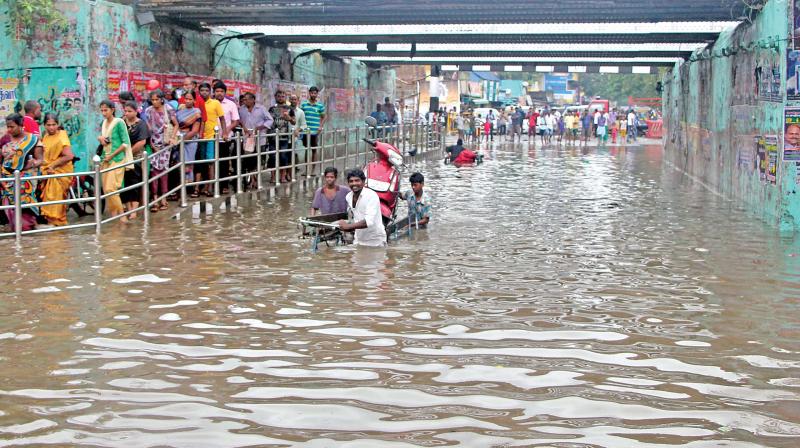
point(343, 148)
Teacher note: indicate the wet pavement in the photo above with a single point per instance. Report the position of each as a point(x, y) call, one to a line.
point(561, 297)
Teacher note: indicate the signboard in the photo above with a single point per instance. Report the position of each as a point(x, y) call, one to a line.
point(558, 84)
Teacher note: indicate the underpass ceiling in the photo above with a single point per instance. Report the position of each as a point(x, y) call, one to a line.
point(602, 25)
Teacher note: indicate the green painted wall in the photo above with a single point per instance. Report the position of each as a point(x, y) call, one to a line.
point(66, 69)
point(712, 112)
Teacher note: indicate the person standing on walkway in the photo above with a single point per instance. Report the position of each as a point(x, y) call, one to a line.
point(33, 113)
point(299, 129)
point(17, 148)
point(163, 126)
point(283, 119)
point(189, 122)
point(391, 112)
point(316, 117)
point(205, 150)
point(255, 120)
point(139, 135)
point(116, 150)
point(57, 160)
point(226, 147)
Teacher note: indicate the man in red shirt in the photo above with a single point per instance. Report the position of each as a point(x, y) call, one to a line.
point(532, 120)
point(33, 113)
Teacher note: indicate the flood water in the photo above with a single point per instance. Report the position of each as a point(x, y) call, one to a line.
point(558, 299)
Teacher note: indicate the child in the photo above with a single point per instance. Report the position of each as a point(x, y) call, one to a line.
point(418, 201)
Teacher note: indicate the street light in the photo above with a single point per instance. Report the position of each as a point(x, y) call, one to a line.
point(214, 62)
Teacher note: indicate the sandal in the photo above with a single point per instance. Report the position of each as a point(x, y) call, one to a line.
point(154, 209)
point(163, 207)
point(208, 194)
point(195, 194)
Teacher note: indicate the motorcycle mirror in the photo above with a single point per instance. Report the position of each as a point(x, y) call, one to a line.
point(371, 121)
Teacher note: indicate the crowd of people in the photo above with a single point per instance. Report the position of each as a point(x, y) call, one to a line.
point(572, 126)
point(198, 112)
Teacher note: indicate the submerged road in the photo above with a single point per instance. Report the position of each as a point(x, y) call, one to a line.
point(560, 298)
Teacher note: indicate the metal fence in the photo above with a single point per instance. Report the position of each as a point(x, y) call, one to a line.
point(340, 147)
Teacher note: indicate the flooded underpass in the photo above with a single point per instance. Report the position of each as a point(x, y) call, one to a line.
point(561, 297)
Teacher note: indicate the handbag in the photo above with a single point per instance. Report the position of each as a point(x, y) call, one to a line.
point(169, 129)
point(250, 144)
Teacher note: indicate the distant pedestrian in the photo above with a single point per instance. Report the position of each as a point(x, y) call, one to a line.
point(316, 116)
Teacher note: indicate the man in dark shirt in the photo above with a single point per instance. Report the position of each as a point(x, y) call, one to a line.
point(283, 118)
point(455, 150)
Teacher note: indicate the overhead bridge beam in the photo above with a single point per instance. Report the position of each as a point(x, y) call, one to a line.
point(361, 12)
point(649, 38)
point(444, 55)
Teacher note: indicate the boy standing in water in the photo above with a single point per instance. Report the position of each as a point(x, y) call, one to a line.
point(418, 201)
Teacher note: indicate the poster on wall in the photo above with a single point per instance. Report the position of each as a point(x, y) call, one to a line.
point(8, 97)
point(791, 134)
point(745, 155)
point(761, 157)
point(768, 81)
point(771, 148)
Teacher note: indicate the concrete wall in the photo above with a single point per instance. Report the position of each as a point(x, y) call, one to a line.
point(66, 69)
point(712, 112)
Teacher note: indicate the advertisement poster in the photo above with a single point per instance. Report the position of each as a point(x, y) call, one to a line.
point(792, 68)
point(761, 157)
point(8, 97)
point(768, 79)
point(791, 134)
point(745, 155)
point(771, 148)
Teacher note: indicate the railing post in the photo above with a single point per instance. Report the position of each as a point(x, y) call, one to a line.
point(335, 146)
point(321, 142)
point(182, 155)
point(17, 205)
point(239, 164)
point(277, 158)
point(258, 160)
point(346, 147)
point(216, 161)
point(146, 186)
point(292, 160)
point(98, 192)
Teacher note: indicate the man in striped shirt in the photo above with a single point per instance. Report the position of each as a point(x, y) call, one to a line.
point(315, 121)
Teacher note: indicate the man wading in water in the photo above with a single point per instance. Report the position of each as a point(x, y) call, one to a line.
point(331, 197)
point(366, 209)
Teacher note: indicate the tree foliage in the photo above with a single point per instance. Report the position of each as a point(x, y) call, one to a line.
point(618, 87)
point(26, 15)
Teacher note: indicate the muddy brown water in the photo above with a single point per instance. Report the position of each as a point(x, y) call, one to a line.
point(558, 299)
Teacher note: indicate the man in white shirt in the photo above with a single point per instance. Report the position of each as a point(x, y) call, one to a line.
point(365, 207)
point(631, 126)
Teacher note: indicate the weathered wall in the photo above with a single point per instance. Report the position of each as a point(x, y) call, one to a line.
point(713, 111)
point(66, 70)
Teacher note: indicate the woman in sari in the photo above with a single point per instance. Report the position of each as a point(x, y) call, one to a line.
point(57, 160)
point(17, 150)
point(189, 118)
point(163, 126)
point(115, 141)
point(139, 135)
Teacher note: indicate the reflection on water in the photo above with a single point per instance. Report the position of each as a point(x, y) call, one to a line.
point(561, 298)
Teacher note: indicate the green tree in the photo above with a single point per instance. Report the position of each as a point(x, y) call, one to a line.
point(618, 87)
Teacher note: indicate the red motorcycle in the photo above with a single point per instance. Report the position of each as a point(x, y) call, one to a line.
point(383, 176)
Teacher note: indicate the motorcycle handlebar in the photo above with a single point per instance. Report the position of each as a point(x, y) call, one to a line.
point(371, 141)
